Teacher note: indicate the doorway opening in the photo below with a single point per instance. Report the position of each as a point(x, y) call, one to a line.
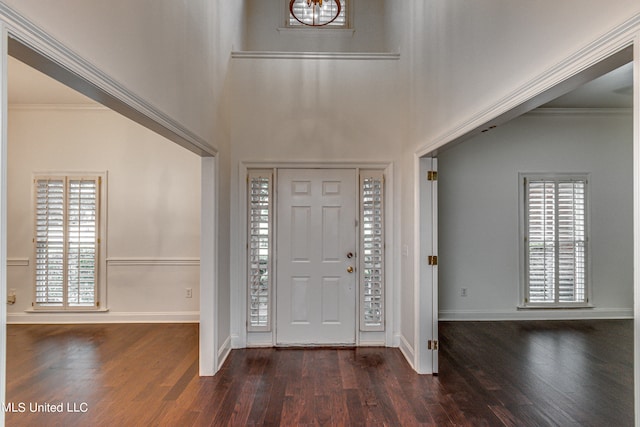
point(316, 259)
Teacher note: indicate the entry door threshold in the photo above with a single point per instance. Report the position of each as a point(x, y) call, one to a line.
point(314, 346)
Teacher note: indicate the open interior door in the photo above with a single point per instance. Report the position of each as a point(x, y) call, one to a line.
point(427, 289)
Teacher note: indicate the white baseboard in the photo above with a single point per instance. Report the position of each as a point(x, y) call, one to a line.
point(237, 342)
point(407, 350)
point(371, 339)
point(535, 314)
point(102, 317)
point(372, 343)
point(259, 339)
point(223, 352)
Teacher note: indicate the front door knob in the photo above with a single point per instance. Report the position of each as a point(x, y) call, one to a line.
point(350, 269)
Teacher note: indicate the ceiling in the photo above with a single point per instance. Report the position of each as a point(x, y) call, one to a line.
point(29, 86)
point(612, 90)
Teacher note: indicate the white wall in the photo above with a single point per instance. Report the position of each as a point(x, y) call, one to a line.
point(227, 33)
point(153, 203)
point(479, 204)
point(312, 110)
point(265, 22)
point(468, 56)
point(163, 51)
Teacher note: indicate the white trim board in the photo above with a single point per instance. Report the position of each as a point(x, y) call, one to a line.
point(3, 212)
point(407, 351)
point(141, 261)
point(580, 112)
point(43, 317)
point(360, 56)
point(224, 351)
point(535, 314)
point(57, 107)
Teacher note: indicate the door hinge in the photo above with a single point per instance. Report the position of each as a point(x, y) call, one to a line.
point(432, 345)
point(433, 260)
point(432, 175)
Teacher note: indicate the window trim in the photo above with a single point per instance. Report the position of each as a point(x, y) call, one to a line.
point(376, 175)
point(101, 248)
point(523, 216)
point(347, 27)
point(264, 174)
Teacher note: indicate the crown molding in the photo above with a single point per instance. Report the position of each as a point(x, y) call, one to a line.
point(580, 112)
point(57, 107)
point(361, 56)
point(34, 46)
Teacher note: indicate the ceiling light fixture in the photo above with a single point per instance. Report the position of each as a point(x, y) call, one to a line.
point(317, 13)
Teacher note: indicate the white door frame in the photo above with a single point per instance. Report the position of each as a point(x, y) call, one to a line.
point(240, 337)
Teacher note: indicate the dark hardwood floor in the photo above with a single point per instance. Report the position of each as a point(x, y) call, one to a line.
point(491, 373)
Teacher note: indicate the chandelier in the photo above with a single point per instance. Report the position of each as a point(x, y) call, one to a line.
point(315, 13)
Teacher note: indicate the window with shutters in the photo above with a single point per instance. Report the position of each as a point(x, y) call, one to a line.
point(372, 251)
point(555, 240)
point(260, 249)
point(67, 241)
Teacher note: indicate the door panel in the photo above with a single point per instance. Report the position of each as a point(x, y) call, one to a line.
point(316, 295)
point(427, 355)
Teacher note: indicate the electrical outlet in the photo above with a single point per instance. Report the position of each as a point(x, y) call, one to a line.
point(11, 297)
point(188, 293)
point(463, 292)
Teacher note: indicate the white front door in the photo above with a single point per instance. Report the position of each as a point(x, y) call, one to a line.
point(316, 246)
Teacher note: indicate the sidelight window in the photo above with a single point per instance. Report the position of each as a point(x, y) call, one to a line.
point(372, 251)
point(260, 249)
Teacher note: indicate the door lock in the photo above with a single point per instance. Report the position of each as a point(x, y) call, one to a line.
point(350, 255)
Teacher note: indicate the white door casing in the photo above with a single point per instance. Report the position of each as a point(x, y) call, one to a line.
point(316, 230)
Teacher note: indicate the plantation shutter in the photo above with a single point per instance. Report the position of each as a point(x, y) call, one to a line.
point(66, 242)
point(556, 239)
point(82, 241)
point(260, 202)
point(372, 251)
point(50, 242)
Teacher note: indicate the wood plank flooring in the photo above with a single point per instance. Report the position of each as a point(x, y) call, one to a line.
point(491, 373)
